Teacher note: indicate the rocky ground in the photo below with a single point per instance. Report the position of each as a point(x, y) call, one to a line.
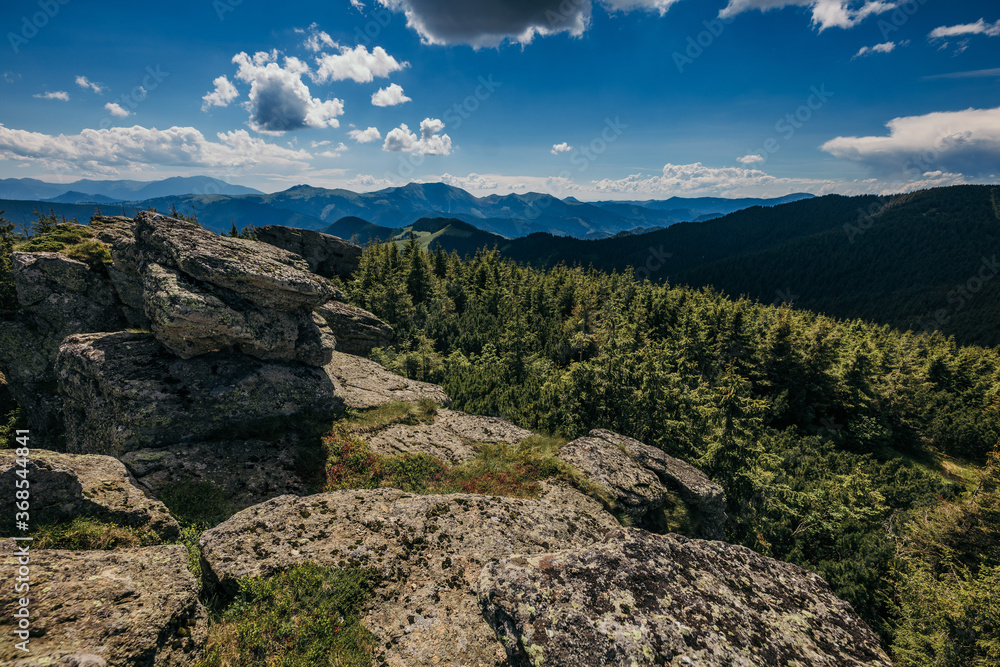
point(193, 359)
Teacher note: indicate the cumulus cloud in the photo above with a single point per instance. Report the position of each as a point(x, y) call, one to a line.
point(224, 93)
point(357, 64)
point(107, 151)
point(561, 148)
point(886, 47)
point(430, 141)
point(980, 27)
point(86, 83)
point(390, 97)
point(489, 23)
point(279, 100)
point(60, 95)
point(696, 178)
point(753, 158)
point(358, 5)
point(366, 136)
point(965, 142)
point(317, 40)
point(825, 13)
point(330, 152)
point(117, 110)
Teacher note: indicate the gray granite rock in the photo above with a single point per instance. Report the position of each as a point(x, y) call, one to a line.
point(326, 255)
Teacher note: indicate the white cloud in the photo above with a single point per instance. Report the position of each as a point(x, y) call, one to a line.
point(964, 142)
point(561, 148)
point(365, 136)
point(369, 181)
point(317, 39)
point(980, 27)
point(825, 13)
point(84, 82)
point(107, 151)
point(887, 47)
point(356, 64)
point(390, 97)
point(60, 95)
point(489, 23)
point(974, 74)
point(471, 182)
point(753, 158)
point(117, 110)
point(279, 100)
point(698, 179)
point(430, 141)
point(224, 93)
point(332, 153)
point(11, 77)
point(358, 5)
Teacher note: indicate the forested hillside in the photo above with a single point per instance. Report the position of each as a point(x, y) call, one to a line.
point(921, 261)
point(859, 452)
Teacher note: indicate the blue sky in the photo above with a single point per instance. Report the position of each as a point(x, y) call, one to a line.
point(610, 99)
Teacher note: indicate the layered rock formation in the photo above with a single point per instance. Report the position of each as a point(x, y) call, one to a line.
point(326, 255)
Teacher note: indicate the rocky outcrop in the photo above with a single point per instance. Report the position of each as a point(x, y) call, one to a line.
point(643, 599)
point(126, 391)
point(247, 472)
point(450, 437)
point(356, 330)
point(58, 296)
point(326, 255)
point(106, 608)
point(705, 499)
point(636, 491)
point(67, 486)
point(362, 384)
point(428, 551)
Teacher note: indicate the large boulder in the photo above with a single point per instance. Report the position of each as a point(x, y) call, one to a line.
point(643, 599)
point(247, 472)
point(57, 296)
point(192, 321)
point(363, 384)
point(326, 255)
point(105, 608)
point(705, 499)
point(356, 330)
point(636, 491)
point(126, 391)
point(450, 436)
point(67, 486)
point(427, 550)
point(258, 273)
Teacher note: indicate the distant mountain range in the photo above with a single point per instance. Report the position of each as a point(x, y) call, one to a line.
point(218, 205)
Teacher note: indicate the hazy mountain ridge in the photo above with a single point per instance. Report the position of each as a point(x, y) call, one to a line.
point(217, 205)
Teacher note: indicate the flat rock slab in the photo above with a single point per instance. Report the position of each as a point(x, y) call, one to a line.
point(96, 608)
point(636, 491)
point(704, 498)
point(247, 471)
point(363, 384)
point(449, 438)
point(66, 486)
point(356, 330)
point(428, 550)
point(124, 391)
point(643, 599)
